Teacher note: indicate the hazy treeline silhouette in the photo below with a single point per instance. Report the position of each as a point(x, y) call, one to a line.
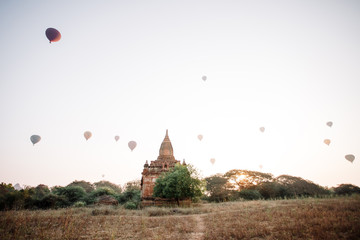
point(251, 185)
point(233, 185)
point(77, 193)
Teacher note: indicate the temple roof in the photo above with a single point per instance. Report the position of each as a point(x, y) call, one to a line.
point(166, 148)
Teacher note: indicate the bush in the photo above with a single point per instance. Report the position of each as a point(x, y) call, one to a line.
point(249, 194)
point(72, 194)
point(130, 205)
point(91, 198)
point(80, 204)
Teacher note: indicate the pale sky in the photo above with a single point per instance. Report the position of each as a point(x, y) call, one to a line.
point(134, 69)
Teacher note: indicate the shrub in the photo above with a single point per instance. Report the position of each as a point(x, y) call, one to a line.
point(249, 194)
point(130, 205)
point(80, 204)
point(91, 198)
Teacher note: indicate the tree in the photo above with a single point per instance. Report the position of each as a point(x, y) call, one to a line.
point(216, 186)
point(296, 186)
point(41, 191)
point(72, 194)
point(250, 194)
point(271, 190)
point(101, 191)
point(182, 182)
point(108, 184)
point(133, 185)
point(346, 189)
point(244, 179)
point(88, 187)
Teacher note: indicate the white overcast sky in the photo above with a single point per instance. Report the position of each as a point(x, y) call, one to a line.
point(134, 69)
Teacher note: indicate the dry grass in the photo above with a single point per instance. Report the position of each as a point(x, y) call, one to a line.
point(336, 218)
point(333, 218)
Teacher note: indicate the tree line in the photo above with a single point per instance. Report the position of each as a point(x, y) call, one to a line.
point(181, 182)
point(250, 185)
point(77, 194)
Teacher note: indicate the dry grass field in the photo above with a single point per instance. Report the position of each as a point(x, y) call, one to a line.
point(312, 218)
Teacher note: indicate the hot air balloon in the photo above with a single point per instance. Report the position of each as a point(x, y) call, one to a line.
point(327, 141)
point(262, 129)
point(117, 138)
point(329, 124)
point(200, 137)
point(212, 160)
point(132, 145)
point(35, 139)
point(53, 35)
point(87, 135)
point(260, 166)
point(204, 78)
point(350, 157)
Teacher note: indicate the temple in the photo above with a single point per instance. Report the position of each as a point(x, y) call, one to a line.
point(152, 171)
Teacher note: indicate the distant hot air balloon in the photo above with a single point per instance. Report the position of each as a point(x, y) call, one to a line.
point(327, 141)
point(350, 157)
point(117, 138)
point(200, 137)
point(103, 175)
point(329, 124)
point(260, 166)
point(87, 135)
point(204, 78)
point(53, 35)
point(35, 139)
point(262, 129)
point(212, 160)
point(132, 145)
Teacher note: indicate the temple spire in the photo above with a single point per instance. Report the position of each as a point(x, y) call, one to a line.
point(166, 148)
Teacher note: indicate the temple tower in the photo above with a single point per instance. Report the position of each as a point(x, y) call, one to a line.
point(152, 171)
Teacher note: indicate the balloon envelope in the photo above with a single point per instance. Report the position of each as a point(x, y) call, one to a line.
point(52, 34)
point(329, 124)
point(212, 160)
point(117, 138)
point(132, 145)
point(204, 78)
point(87, 135)
point(350, 157)
point(327, 141)
point(35, 139)
point(200, 137)
point(262, 129)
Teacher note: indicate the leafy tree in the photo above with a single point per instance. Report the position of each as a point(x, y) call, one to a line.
point(52, 201)
point(108, 184)
point(245, 179)
point(182, 182)
point(72, 194)
point(131, 193)
point(346, 189)
point(5, 189)
point(296, 186)
point(88, 187)
point(216, 186)
point(133, 185)
point(272, 190)
point(250, 194)
point(41, 191)
point(91, 197)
